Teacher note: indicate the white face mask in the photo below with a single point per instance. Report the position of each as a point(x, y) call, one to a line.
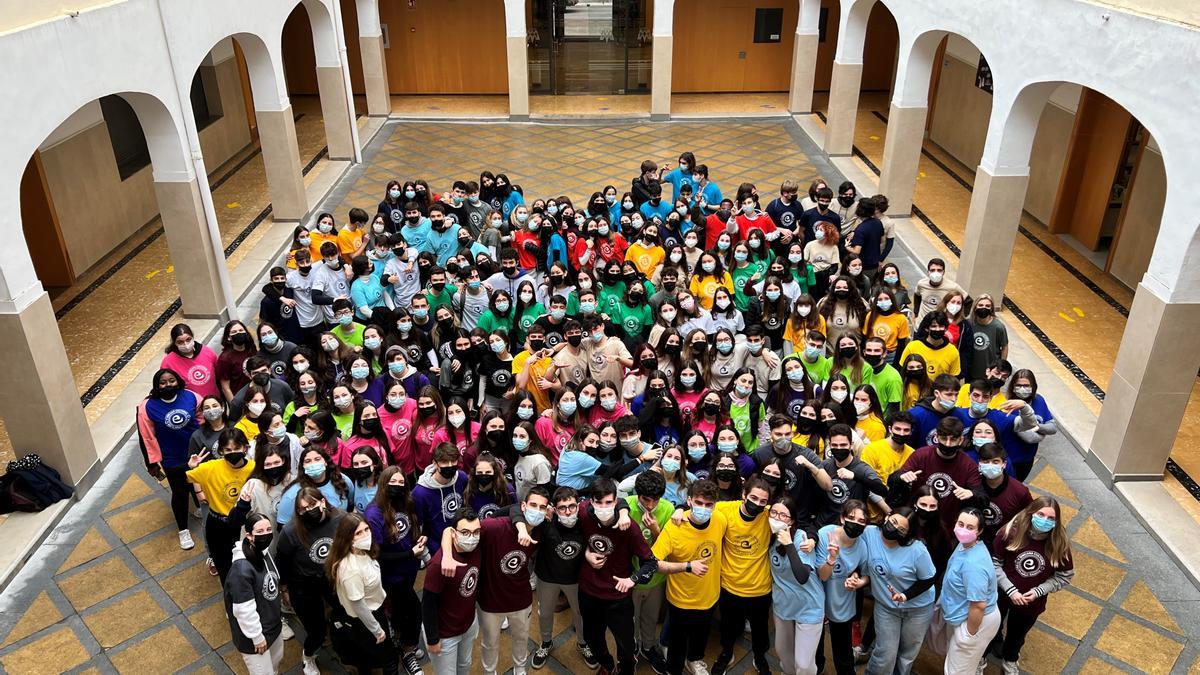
point(777, 526)
point(804, 311)
point(605, 514)
point(935, 277)
point(954, 307)
point(838, 395)
point(256, 408)
point(363, 543)
point(861, 407)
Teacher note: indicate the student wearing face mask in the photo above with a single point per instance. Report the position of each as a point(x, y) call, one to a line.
point(318, 471)
point(809, 222)
point(322, 232)
point(362, 635)
point(329, 282)
point(439, 492)
point(887, 455)
point(252, 598)
point(838, 556)
point(195, 363)
point(221, 481)
point(928, 412)
point(166, 421)
point(256, 410)
point(303, 548)
point(969, 597)
point(273, 472)
point(786, 210)
point(933, 345)
point(850, 476)
point(1006, 496)
point(932, 288)
point(945, 468)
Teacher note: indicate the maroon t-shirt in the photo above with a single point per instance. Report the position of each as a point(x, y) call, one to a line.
point(231, 365)
point(942, 475)
point(456, 594)
point(619, 545)
point(505, 568)
point(1027, 569)
point(1007, 501)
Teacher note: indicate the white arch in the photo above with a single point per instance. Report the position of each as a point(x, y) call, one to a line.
point(325, 43)
point(852, 30)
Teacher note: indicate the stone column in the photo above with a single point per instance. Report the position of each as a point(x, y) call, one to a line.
point(663, 32)
point(518, 60)
point(331, 87)
point(843, 108)
point(197, 271)
point(992, 223)
point(902, 157)
point(375, 77)
point(804, 67)
point(1148, 393)
point(281, 157)
point(41, 408)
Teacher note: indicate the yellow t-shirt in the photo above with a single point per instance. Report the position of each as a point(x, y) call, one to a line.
point(745, 568)
point(964, 398)
point(222, 484)
point(891, 327)
point(349, 240)
point(880, 456)
point(872, 427)
point(802, 439)
point(912, 394)
point(704, 288)
point(315, 241)
point(943, 361)
point(645, 259)
point(799, 338)
point(536, 370)
point(248, 427)
point(684, 543)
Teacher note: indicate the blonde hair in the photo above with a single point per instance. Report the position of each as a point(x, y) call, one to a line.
point(1058, 545)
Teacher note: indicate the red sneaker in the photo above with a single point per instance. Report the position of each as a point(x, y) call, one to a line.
point(855, 635)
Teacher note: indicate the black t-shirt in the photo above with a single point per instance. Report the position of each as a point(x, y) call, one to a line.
point(554, 332)
point(305, 562)
point(559, 554)
point(497, 375)
point(248, 582)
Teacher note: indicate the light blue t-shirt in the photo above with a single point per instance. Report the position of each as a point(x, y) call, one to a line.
point(677, 177)
point(417, 236)
point(443, 244)
point(514, 199)
point(839, 602)
point(898, 567)
point(576, 469)
point(970, 577)
point(650, 211)
point(364, 495)
point(792, 600)
point(711, 194)
point(287, 503)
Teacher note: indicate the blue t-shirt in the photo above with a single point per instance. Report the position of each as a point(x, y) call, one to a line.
point(1020, 451)
point(287, 503)
point(417, 236)
point(443, 244)
point(174, 424)
point(364, 495)
point(839, 602)
point(898, 567)
point(869, 235)
point(677, 177)
point(970, 577)
point(711, 194)
point(661, 211)
point(792, 600)
point(514, 198)
point(576, 469)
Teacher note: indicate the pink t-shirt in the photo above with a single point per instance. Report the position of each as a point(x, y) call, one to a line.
point(687, 401)
point(199, 373)
point(423, 440)
point(465, 447)
point(599, 415)
point(355, 442)
point(554, 441)
point(399, 427)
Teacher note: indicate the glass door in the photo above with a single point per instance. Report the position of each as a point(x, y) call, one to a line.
point(589, 47)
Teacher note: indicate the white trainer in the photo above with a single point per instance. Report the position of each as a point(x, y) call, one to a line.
point(310, 665)
point(185, 540)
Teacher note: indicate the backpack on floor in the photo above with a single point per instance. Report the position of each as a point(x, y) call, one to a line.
point(29, 485)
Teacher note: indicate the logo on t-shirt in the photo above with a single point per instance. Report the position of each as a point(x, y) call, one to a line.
point(601, 544)
point(838, 492)
point(941, 484)
point(789, 479)
point(470, 580)
point(403, 526)
point(705, 551)
point(401, 429)
point(450, 502)
point(1030, 564)
point(320, 550)
point(177, 418)
point(199, 374)
point(982, 342)
point(746, 542)
point(513, 562)
point(233, 489)
point(795, 407)
point(992, 515)
point(776, 560)
point(414, 354)
point(286, 311)
point(631, 324)
point(568, 550)
point(270, 587)
point(489, 511)
point(501, 377)
point(278, 369)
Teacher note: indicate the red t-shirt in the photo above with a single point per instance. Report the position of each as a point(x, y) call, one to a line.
point(1027, 569)
point(456, 594)
point(1007, 502)
point(620, 547)
point(527, 259)
point(505, 568)
point(713, 227)
point(762, 222)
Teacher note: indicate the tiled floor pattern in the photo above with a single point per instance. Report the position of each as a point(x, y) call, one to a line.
point(96, 333)
point(1082, 323)
point(111, 591)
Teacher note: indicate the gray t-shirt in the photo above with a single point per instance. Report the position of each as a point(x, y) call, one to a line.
point(986, 345)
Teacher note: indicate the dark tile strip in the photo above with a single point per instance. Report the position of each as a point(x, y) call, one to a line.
point(1051, 253)
point(1095, 389)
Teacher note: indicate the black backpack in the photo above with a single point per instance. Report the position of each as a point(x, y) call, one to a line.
point(29, 485)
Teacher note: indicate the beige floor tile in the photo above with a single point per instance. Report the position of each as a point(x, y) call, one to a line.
point(1139, 646)
point(191, 585)
point(1090, 534)
point(98, 583)
point(1045, 654)
point(133, 489)
point(1048, 480)
point(141, 520)
point(162, 652)
point(124, 619)
point(162, 552)
point(57, 652)
point(1070, 613)
point(91, 546)
point(1095, 576)
point(212, 623)
point(1141, 601)
point(40, 614)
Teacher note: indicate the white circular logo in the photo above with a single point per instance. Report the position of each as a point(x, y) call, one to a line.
point(403, 526)
point(568, 550)
point(1030, 564)
point(838, 492)
point(177, 418)
point(451, 503)
point(320, 550)
point(940, 483)
point(199, 374)
point(513, 562)
point(982, 342)
point(470, 580)
point(600, 544)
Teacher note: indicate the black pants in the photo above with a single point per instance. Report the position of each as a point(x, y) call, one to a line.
point(735, 612)
point(616, 616)
point(1022, 469)
point(219, 535)
point(309, 599)
point(840, 645)
point(405, 611)
point(181, 491)
point(356, 646)
point(689, 636)
point(1011, 637)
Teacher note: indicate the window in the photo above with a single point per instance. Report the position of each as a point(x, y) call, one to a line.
point(768, 25)
point(125, 133)
point(206, 97)
point(823, 25)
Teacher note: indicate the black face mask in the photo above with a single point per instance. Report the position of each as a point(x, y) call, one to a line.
point(304, 269)
point(168, 392)
point(438, 225)
point(612, 277)
point(712, 409)
point(947, 451)
point(874, 360)
point(655, 392)
point(485, 480)
point(852, 529)
point(427, 410)
point(510, 271)
point(262, 542)
point(983, 312)
point(496, 436)
point(312, 516)
point(280, 285)
point(926, 516)
point(840, 454)
point(698, 348)
point(753, 509)
point(536, 345)
point(397, 493)
point(770, 480)
point(370, 425)
point(913, 374)
point(649, 364)
point(890, 531)
point(557, 279)
point(275, 473)
point(847, 352)
point(235, 458)
point(805, 425)
point(841, 294)
point(669, 286)
point(673, 350)
point(726, 474)
point(448, 471)
point(262, 379)
point(446, 324)
point(724, 214)
point(241, 339)
point(412, 220)
point(846, 201)
point(936, 335)
point(903, 440)
point(437, 287)
point(574, 340)
point(359, 473)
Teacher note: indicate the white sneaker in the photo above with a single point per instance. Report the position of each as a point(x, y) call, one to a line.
point(310, 665)
point(185, 540)
point(1010, 668)
point(697, 667)
point(287, 633)
point(981, 667)
point(504, 624)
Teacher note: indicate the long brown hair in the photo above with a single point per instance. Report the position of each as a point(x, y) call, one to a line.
point(389, 511)
point(1058, 545)
point(311, 495)
point(343, 545)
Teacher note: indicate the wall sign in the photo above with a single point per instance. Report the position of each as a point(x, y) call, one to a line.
point(983, 75)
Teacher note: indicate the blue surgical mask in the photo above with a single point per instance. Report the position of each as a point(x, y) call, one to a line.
point(567, 408)
point(497, 347)
point(519, 444)
point(534, 517)
point(701, 514)
point(795, 258)
point(670, 465)
point(525, 413)
point(978, 409)
point(990, 471)
point(397, 368)
point(397, 401)
point(727, 446)
point(420, 313)
point(345, 319)
point(395, 194)
point(754, 347)
point(796, 375)
point(772, 295)
point(742, 391)
point(372, 343)
point(558, 314)
point(884, 304)
point(405, 326)
point(812, 353)
point(474, 284)
point(269, 339)
point(586, 401)
point(279, 432)
point(687, 380)
point(360, 372)
point(410, 194)
point(314, 470)
point(740, 256)
point(587, 307)
point(979, 442)
point(502, 306)
point(1041, 523)
point(724, 347)
point(697, 454)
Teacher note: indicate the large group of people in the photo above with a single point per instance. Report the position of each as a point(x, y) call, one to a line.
point(659, 414)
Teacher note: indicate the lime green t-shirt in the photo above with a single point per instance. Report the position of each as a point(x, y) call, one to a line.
point(662, 514)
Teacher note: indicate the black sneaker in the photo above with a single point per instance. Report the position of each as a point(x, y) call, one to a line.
point(722, 663)
point(760, 665)
point(655, 660)
point(412, 663)
point(589, 659)
point(540, 656)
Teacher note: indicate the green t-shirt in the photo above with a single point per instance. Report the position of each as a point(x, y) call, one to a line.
point(889, 387)
point(662, 513)
point(739, 415)
point(530, 315)
point(633, 320)
point(817, 372)
point(740, 276)
point(351, 335)
point(610, 299)
point(490, 321)
point(443, 298)
point(345, 423)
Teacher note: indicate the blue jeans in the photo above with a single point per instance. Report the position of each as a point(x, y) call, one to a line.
point(899, 634)
point(455, 658)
